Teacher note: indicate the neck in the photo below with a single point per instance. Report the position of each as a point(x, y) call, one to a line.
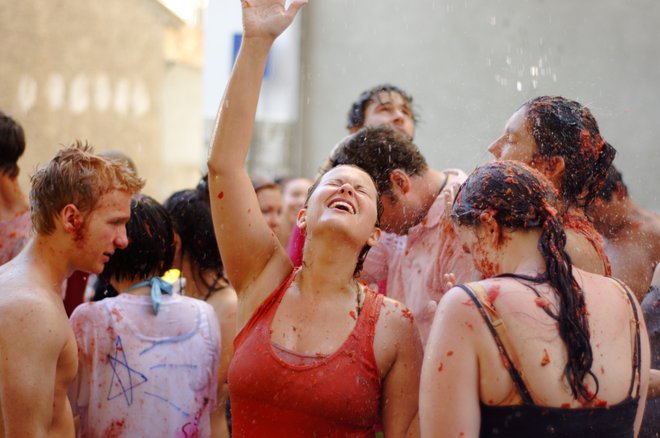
point(49, 266)
point(327, 268)
point(124, 284)
point(196, 284)
point(521, 254)
point(12, 199)
point(431, 183)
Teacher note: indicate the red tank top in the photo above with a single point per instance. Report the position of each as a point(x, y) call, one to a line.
point(336, 395)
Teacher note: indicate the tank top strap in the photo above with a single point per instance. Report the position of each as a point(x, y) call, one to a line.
point(269, 305)
point(635, 383)
point(373, 302)
point(497, 328)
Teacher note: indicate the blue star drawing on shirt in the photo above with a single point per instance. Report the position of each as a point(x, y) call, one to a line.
point(127, 377)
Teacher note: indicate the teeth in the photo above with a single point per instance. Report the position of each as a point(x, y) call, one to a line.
point(343, 206)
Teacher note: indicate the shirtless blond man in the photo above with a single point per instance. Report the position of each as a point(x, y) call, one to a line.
point(80, 204)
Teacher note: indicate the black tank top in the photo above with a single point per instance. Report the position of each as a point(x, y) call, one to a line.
point(531, 420)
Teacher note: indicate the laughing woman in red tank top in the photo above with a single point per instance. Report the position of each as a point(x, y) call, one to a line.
point(316, 353)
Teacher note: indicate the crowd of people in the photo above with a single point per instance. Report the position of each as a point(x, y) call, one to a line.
point(383, 297)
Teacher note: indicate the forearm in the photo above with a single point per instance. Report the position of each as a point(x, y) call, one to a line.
point(238, 107)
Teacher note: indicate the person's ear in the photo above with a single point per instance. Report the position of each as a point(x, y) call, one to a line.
point(400, 181)
point(71, 218)
point(374, 238)
point(301, 219)
point(489, 227)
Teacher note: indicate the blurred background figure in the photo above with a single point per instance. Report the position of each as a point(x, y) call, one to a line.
point(269, 195)
point(632, 233)
point(294, 192)
point(148, 359)
point(202, 272)
point(15, 224)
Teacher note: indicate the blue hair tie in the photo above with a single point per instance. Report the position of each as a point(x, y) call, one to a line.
point(158, 287)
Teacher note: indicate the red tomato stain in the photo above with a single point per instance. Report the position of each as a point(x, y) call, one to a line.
point(468, 303)
point(450, 353)
point(546, 358)
point(115, 429)
point(542, 302)
point(352, 313)
point(602, 370)
point(470, 326)
point(441, 367)
point(221, 195)
point(565, 405)
point(492, 295)
point(116, 314)
point(407, 314)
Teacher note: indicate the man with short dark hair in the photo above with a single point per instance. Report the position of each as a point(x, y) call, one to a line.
point(80, 204)
point(15, 223)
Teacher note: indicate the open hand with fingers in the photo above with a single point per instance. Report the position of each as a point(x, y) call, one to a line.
point(268, 18)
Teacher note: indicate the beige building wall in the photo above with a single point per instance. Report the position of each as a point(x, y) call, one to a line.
point(97, 71)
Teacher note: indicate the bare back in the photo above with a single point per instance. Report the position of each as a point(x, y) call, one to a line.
point(469, 369)
point(38, 357)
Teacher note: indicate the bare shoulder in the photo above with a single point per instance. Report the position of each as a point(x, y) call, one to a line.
point(396, 316)
point(224, 300)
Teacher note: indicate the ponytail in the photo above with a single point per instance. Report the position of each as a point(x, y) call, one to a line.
point(572, 318)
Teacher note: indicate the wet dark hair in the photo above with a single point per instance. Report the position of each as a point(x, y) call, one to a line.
point(613, 184)
point(519, 197)
point(356, 113)
point(378, 151)
point(151, 246)
point(191, 214)
point(379, 212)
point(565, 128)
point(12, 145)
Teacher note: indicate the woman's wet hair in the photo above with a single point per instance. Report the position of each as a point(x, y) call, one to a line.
point(565, 128)
point(379, 212)
point(151, 246)
point(356, 113)
point(191, 214)
point(519, 197)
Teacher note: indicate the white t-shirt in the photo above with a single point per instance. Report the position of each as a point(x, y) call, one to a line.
point(142, 374)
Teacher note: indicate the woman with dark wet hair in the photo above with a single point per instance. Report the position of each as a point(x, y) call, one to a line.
point(198, 259)
point(148, 358)
point(540, 348)
point(317, 353)
point(560, 138)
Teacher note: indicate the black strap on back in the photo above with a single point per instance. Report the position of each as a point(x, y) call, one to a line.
point(637, 360)
point(511, 368)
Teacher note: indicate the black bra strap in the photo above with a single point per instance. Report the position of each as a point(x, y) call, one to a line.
point(513, 371)
point(637, 360)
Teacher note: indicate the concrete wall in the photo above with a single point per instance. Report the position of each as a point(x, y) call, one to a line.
point(470, 63)
point(96, 70)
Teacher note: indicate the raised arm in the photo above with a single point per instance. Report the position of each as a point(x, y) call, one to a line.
point(245, 240)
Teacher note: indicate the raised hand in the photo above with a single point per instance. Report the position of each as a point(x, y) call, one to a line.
point(268, 18)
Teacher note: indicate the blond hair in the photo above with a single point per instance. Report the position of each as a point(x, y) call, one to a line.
point(75, 175)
